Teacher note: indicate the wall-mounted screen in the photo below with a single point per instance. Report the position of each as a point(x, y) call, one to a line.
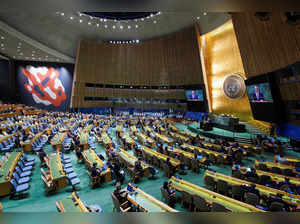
point(260, 93)
point(194, 95)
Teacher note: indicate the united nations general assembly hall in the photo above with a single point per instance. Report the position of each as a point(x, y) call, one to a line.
point(149, 111)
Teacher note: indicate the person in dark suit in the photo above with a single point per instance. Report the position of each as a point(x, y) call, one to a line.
point(193, 96)
point(257, 95)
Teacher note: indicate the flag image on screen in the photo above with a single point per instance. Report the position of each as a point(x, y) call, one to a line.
point(194, 95)
point(44, 85)
point(260, 93)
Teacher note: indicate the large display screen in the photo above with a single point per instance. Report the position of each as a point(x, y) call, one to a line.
point(45, 85)
point(194, 95)
point(260, 93)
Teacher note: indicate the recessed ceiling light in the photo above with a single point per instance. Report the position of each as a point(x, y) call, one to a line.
point(71, 17)
point(205, 13)
point(105, 26)
point(89, 23)
point(2, 45)
point(113, 26)
point(20, 43)
point(2, 38)
point(198, 17)
point(62, 14)
point(129, 27)
point(97, 24)
point(137, 41)
point(154, 21)
point(105, 20)
point(142, 19)
point(80, 20)
point(14, 56)
point(121, 27)
point(136, 26)
point(32, 55)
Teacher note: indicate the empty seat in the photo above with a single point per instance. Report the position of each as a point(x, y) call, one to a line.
point(200, 204)
point(222, 187)
point(252, 199)
point(19, 180)
point(275, 169)
point(264, 179)
point(210, 182)
point(276, 207)
point(216, 207)
point(186, 198)
point(237, 192)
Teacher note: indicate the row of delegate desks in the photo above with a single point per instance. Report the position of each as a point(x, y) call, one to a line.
point(263, 190)
point(90, 157)
point(130, 161)
point(7, 170)
point(192, 148)
point(84, 135)
point(106, 140)
point(58, 139)
point(288, 160)
point(269, 165)
point(274, 176)
point(147, 203)
point(218, 147)
point(58, 179)
point(180, 138)
point(71, 204)
point(159, 156)
point(211, 197)
point(164, 139)
point(145, 140)
point(27, 146)
point(127, 139)
point(175, 151)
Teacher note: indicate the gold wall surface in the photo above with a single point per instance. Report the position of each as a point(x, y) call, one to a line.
point(221, 57)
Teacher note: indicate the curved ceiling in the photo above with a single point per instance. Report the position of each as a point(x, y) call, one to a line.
point(53, 36)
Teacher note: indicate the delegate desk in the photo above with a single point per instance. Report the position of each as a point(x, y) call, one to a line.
point(172, 127)
point(58, 177)
point(210, 196)
point(90, 157)
point(106, 140)
point(147, 130)
point(274, 176)
point(145, 140)
point(130, 160)
point(127, 139)
point(256, 149)
point(71, 204)
point(84, 140)
point(160, 156)
point(288, 160)
point(164, 139)
point(58, 139)
point(146, 203)
point(279, 165)
point(229, 123)
point(191, 135)
point(180, 138)
point(175, 151)
point(27, 146)
point(7, 170)
point(192, 148)
point(218, 147)
point(263, 190)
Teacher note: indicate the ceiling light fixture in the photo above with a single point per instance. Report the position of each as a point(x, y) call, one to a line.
point(80, 20)
point(105, 26)
point(154, 21)
point(205, 13)
point(114, 27)
point(136, 26)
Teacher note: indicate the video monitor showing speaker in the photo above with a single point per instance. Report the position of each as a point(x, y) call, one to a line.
point(194, 95)
point(260, 93)
point(264, 97)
